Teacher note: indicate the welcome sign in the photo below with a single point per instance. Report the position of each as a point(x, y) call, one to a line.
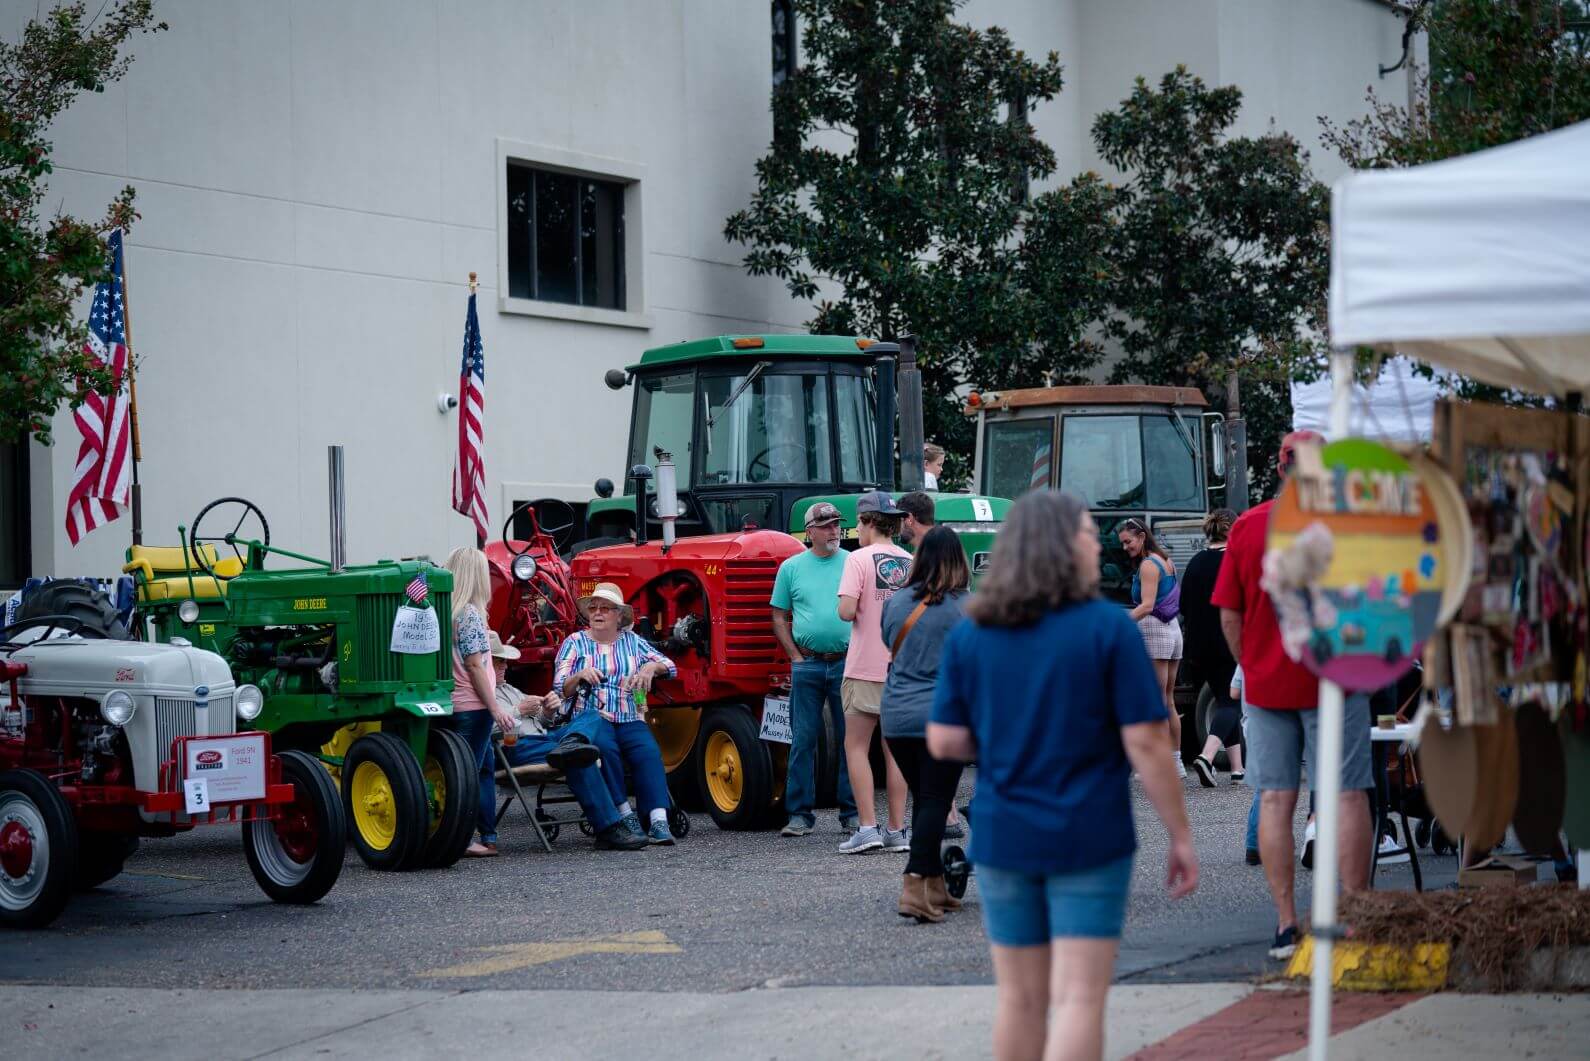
point(1355, 563)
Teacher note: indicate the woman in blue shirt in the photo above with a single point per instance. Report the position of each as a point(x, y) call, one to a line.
point(1048, 689)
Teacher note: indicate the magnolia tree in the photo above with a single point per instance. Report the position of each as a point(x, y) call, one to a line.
point(47, 262)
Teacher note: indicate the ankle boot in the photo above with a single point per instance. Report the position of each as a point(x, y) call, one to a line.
point(914, 903)
point(938, 895)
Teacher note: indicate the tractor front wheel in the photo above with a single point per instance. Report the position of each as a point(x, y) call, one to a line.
point(455, 797)
point(100, 857)
point(384, 792)
point(734, 769)
point(38, 849)
point(297, 856)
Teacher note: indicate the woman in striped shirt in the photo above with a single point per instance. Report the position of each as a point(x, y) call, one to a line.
point(615, 662)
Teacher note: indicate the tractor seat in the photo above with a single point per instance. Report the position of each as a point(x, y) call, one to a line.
point(162, 572)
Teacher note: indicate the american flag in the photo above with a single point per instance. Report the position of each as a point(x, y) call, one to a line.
point(417, 590)
point(103, 480)
point(469, 472)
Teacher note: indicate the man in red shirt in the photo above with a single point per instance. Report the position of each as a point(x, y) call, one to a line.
point(1280, 701)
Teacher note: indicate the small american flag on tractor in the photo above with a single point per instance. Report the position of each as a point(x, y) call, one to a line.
point(417, 591)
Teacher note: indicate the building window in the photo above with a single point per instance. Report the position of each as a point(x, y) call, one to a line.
point(783, 42)
point(565, 238)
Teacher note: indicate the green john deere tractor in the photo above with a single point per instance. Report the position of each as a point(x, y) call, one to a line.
point(322, 642)
point(761, 427)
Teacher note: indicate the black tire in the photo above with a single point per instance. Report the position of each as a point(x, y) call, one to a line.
point(298, 857)
point(34, 883)
point(100, 857)
point(451, 769)
point(739, 794)
point(389, 819)
point(549, 825)
point(957, 871)
point(678, 823)
point(827, 766)
point(76, 600)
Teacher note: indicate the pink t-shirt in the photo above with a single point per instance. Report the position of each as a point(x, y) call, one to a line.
point(872, 575)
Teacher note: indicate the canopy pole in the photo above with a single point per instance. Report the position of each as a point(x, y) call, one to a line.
point(1327, 777)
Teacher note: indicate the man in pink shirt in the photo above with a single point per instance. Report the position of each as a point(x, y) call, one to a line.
point(872, 575)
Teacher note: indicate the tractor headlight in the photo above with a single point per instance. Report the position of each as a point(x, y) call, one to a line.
point(188, 612)
point(524, 567)
point(250, 702)
point(117, 708)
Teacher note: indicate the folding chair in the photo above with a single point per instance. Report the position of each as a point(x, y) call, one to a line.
point(541, 775)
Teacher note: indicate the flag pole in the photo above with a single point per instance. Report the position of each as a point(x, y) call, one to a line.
point(132, 401)
point(480, 539)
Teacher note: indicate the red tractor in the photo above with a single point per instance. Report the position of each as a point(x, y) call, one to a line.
point(703, 601)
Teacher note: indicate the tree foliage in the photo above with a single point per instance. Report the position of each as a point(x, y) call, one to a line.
point(1219, 252)
point(894, 198)
point(46, 263)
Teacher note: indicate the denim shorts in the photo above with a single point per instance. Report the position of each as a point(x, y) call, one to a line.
point(1028, 909)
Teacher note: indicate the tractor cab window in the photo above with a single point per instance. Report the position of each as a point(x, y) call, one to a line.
point(1101, 460)
point(1019, 456)
point(1172, 464)
point(858, 436)
point(765, 427)
point(663, 406)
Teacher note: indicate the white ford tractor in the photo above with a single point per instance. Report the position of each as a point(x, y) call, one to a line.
point(104, 741)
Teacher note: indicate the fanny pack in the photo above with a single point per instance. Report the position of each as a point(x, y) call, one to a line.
point(1168, 606)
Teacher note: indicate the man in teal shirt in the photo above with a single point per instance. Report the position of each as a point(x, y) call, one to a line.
point(808, 627)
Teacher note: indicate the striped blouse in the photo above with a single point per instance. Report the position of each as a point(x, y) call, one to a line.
point(614, 662)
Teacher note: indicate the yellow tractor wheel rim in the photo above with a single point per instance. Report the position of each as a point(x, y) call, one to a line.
point(438, 785)
point(725, 772)
point(374, 806)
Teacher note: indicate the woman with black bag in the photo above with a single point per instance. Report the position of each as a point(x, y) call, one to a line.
point(914, 624)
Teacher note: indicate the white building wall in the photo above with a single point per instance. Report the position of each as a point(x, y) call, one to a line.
point(318, 178)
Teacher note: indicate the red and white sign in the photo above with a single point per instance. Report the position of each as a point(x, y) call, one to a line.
point(232, 768)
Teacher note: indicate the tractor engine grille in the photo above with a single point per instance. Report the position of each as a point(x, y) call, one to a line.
point(748, 630)
point(375, 614)
point(179, 718)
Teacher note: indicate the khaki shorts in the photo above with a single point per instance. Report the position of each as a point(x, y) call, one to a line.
point(861, 697)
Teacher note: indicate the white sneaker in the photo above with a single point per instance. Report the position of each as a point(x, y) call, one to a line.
point(1181, 767)
point(1308, 846)
point(867, 838)
point(1391, 852)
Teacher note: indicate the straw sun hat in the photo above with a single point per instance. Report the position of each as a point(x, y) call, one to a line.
point(500, 650)
point(609, 592)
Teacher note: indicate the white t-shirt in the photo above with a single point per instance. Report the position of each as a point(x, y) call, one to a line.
point(930, 481)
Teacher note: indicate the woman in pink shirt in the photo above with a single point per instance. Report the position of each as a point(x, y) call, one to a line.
point(872, 575)
point(475, 706)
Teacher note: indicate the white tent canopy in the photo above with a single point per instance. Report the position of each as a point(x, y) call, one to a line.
point(1480, 263)
point(1399, 406)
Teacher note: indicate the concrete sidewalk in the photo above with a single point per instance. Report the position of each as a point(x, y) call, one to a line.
point(1183, 1021)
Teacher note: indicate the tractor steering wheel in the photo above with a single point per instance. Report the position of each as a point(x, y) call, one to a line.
point(765, 460)
point(560, 533)
point(230, 538)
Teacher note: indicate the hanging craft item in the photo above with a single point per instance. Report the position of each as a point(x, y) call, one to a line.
point(1447, 763)
point(1541, 781)
point(1356, 563)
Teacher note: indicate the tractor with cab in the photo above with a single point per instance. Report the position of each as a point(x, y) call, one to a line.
point(104, 742)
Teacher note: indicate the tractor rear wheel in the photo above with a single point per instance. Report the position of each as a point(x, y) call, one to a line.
point(735, 770)
point(79, 601)
point(455, 798)
point(829, 749)
point(297, 856)
point(100, 857)
point(384, 792)
point(38, 849)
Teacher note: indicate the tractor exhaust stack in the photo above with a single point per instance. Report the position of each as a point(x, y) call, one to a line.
point(884, 367)
point(641, 474)
point(910, 384)
point(667, 498)
point(339, 528)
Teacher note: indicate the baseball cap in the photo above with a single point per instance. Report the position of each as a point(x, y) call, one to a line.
point(1289, 445)
point(877, 501)
point(822, 513)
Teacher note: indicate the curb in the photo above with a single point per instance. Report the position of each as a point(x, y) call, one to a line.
point(1359, 966)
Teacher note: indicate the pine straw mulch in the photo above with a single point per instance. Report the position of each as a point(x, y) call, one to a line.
point(1492, 930)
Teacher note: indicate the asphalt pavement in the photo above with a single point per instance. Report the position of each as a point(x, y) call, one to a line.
point(720, 912)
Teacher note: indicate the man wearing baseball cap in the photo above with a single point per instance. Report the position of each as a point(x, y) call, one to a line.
point(807, 624)
point(1280, 700)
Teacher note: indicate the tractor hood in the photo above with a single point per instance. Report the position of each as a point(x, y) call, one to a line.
point(616, 561)
point(74, 667)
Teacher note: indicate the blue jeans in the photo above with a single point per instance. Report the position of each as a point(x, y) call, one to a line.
point(475, 727)
point(1030, 909)
point(592, 786)
point(813, 683)
point(643, 763)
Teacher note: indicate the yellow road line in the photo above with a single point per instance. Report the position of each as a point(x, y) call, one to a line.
point(507, 957)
